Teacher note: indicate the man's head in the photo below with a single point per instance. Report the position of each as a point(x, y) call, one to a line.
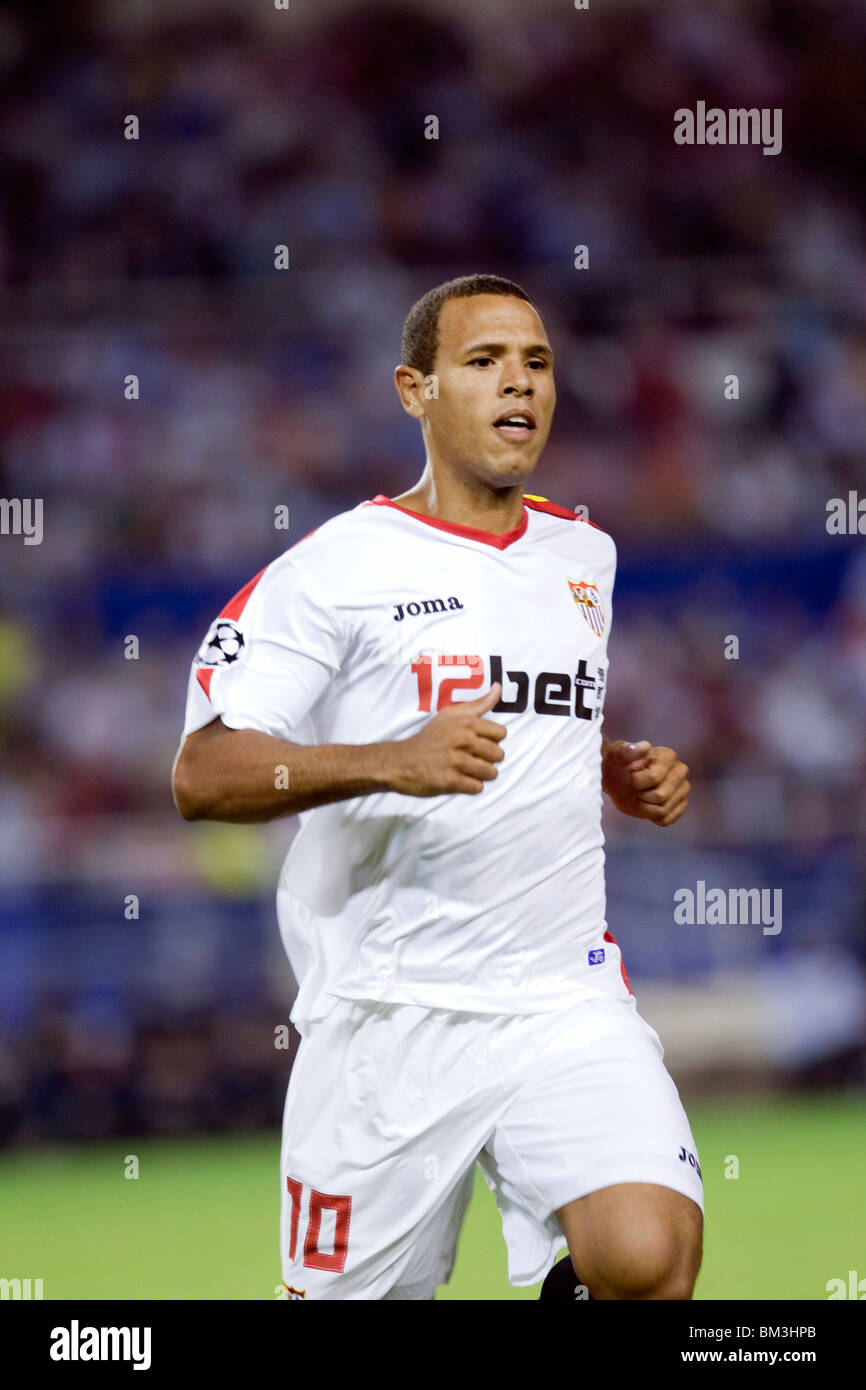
point(475, 353)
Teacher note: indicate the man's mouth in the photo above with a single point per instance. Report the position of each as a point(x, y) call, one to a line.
point(517, 424)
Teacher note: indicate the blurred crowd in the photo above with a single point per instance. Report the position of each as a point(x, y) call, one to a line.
point(260, 388)
point(72, 1080)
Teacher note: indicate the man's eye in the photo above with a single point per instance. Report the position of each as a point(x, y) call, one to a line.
point(480, 359)
point(538, 362)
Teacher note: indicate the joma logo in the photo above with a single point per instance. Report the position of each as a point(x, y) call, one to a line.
point(427, 605)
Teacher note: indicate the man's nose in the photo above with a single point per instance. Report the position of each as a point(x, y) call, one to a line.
point(518, 381)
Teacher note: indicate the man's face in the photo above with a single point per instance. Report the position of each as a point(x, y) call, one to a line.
point(493, 361)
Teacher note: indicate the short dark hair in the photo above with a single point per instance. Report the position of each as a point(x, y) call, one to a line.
point(421, 329)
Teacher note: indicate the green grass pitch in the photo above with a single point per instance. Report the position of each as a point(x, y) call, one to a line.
point(201, 1220)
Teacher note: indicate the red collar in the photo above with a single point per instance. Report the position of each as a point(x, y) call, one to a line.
point(471, 533)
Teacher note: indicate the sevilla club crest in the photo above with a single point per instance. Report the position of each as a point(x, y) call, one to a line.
point(586, 596)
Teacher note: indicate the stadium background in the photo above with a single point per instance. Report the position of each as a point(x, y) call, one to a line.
point(260, 388)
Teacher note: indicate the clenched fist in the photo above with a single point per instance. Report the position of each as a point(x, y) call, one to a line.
point(647, 782)
point(456, 751)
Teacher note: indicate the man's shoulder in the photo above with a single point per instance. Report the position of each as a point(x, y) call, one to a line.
point(352, 524)
point(335, 548)
point(558, 521)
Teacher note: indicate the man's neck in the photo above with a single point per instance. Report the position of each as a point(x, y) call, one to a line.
point(465, 503)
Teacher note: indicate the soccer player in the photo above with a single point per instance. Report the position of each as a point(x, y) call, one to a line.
point(422, 679)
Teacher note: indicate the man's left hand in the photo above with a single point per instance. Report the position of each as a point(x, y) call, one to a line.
point(647, 782)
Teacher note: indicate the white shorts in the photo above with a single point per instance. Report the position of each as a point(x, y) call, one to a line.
point(390, 1106)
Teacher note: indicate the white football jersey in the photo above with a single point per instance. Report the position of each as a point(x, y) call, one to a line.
point(358, 634)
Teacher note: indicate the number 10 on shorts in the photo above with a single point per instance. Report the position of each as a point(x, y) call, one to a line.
point(320, 1203)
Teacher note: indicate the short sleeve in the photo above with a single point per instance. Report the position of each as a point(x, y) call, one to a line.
point(268, 656)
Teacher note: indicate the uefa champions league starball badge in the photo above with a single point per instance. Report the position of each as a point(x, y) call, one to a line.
point(223, 644)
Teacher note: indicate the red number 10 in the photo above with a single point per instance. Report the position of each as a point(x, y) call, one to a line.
point(314, 1258)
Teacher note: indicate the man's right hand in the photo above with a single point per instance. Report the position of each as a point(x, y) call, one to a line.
point(456, 751)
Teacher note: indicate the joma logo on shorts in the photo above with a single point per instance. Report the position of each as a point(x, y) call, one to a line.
point(427, 605)
point(686, 1156)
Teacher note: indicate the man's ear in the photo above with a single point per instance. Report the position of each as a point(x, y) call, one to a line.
point(410, 388)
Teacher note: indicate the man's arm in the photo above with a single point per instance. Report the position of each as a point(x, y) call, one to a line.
point(237, 775)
